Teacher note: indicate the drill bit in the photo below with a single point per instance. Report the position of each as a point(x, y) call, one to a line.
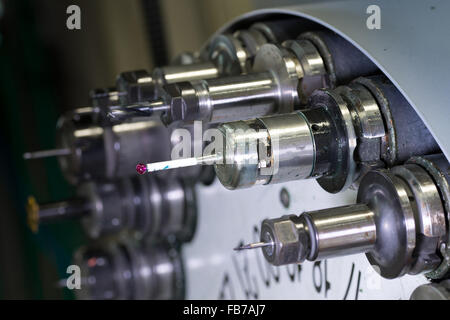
point(253, 246)
point(178, 163)
point(145, 109)
point(47, 153)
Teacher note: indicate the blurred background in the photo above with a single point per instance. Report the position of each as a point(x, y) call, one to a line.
point(47, 69)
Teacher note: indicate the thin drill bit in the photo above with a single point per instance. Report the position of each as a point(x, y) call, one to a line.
point(145, 109)
point(254, 246)
point(47, 153)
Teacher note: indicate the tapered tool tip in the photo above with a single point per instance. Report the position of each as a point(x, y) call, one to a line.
point(253, 246)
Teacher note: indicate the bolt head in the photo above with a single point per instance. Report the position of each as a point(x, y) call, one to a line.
point(287, 236)
point(174, 94)
point(138, 85)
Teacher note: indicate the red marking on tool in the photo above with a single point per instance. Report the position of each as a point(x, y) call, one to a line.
point(141, 168)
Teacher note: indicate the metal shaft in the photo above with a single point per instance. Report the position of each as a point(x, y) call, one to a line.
point(63, 210)
point(400, 221)
point(125, 269)
point(47, 153)
point(56, 211)
point(172, 74)
point(341, 130)
point(240, 97)
point(214, 100)
point(272, 87)
point(317, 235)
point(254, 246)
point(341, 231)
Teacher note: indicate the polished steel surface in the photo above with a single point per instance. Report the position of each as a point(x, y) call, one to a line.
point(398, 221)
point(241, 160)
point(343, 230)
point(122, 269)
point(172, 74)
point(292, 147)
point(237, 98)
point(47, 153)
point(394, 47)
point(285, 145)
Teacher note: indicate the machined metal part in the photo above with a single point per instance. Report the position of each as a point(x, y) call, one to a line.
point(239, 97)
point(186, 58)
point(271, 88)
point(333, 49)
point(318, 235)
point(400, 221)
point(102, 100)
point(148, 207)
point(401, 246)
point(246, 161)
point(153, 208)
point(233, 52)
point(228, 54)
point(432, 291)
point(135, 86)
point(125, 270)
point(109, 152)
point(341, 134)
point(345, 20)
point(396, 60)
point(282, 77)
point(87, 151)
point(404, 128)
point(38, 214)
point(439, 169)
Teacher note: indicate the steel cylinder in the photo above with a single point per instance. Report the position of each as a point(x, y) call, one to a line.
point(237, 98)
point(191, 72)
point(342, 59)
point(341, 231)
point(266, 150)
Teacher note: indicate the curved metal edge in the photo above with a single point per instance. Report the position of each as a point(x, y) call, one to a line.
point(313, 15)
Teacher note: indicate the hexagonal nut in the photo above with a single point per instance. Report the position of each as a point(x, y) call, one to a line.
point(184, 102)
point(138, 86)
point(288, 238)
point(174, 94)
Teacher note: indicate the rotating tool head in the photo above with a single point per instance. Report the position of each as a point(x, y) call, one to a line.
point(400, 222)
point(125, 270)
